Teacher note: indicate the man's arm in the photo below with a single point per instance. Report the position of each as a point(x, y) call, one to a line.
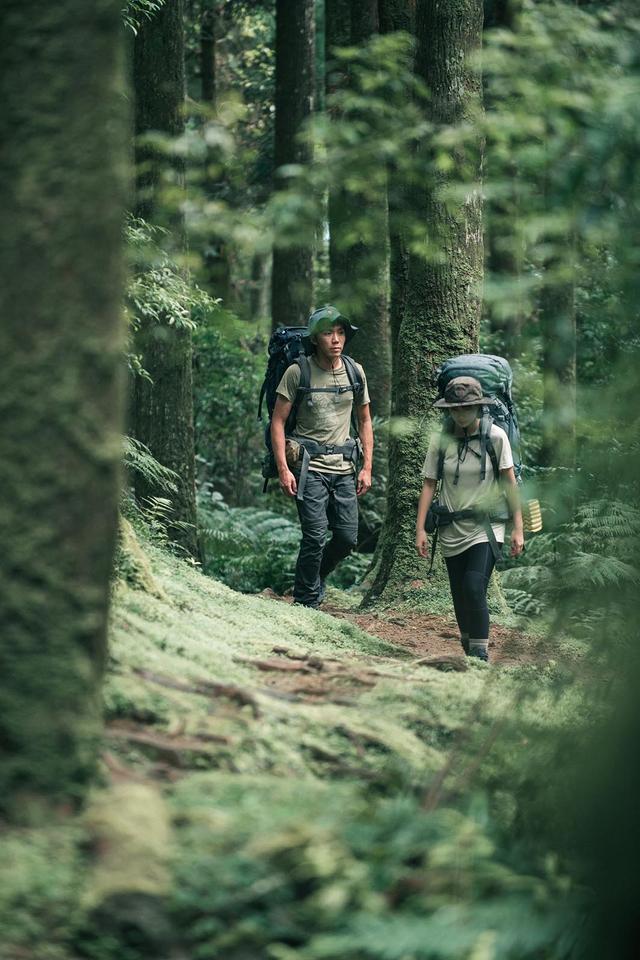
point(365, 429)
point(279, 417)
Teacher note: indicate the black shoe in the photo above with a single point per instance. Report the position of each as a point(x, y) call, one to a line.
point(322, 591)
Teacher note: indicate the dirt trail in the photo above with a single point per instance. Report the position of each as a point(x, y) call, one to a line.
point(428, 635)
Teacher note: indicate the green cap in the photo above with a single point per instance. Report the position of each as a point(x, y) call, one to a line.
point(325, 318)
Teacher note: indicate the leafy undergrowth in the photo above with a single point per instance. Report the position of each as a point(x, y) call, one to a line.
point(278, 784)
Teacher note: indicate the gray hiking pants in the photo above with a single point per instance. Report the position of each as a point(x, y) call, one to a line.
point(329, 503)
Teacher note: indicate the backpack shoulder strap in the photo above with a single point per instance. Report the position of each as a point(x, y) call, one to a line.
point(304, 384)
point(355, 378)
point(487, 447)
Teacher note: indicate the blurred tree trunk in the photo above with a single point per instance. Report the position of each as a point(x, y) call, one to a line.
point(292, 274)
point(360, 270)
point(208, 51)
point(397, 15)
point(62, 193)
point(558, 324)
point(163, 409)
point(443, 301)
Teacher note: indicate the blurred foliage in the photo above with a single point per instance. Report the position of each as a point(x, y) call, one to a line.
point(228, 372)
point(160, 291)
point(134, 12)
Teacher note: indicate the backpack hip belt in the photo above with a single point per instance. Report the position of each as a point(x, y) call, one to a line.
point(311, 448)
point(441, 517)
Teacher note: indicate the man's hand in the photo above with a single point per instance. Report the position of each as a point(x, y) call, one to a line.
point(288, 483)
point(517, 542)
point(422, 543)
point(364, 482)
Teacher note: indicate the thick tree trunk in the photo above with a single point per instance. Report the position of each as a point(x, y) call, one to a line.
point(208, 51)
point(397, 15)
point(292, 275)
point(558, 325)
point(359, 270)
point(443, 301)
point(62, 194)
point(163, 409)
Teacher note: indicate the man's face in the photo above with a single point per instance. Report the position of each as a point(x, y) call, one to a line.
point(330, 343)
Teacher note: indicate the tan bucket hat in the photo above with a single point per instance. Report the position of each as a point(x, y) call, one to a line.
point(463, 392)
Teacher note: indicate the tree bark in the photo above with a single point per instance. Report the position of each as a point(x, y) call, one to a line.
point(359, 270)
point(397, 15)
point(292, 275)
point(62, 194)
point(163, 408)
point(558, 325)
point(443, 300)
point(208, 51)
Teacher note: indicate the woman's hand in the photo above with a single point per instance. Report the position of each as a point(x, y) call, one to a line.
point(517, 542)
point(422, 543)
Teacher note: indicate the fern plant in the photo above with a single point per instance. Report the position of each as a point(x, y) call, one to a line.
point(584, 570)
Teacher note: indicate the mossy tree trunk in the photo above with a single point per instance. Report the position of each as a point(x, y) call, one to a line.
point(62, 194)
point(360, 270)
point(443, 300)
point(292, 274)
point(558, 324)
point(163, 408)
point(397, 15)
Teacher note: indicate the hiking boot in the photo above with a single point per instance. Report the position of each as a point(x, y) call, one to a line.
point(322, 590)
point(479, 649)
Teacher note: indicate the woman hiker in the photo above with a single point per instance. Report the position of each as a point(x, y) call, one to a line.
point(471, 507)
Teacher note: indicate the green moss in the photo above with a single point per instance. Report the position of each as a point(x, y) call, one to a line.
point(40, 883)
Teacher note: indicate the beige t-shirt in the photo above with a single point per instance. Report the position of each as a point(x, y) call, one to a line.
point(324, 417)
point(470, 491)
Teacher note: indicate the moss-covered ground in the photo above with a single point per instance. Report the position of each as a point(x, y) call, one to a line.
point(277, 783)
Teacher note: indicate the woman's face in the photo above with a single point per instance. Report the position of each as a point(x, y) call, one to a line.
point(464, 416)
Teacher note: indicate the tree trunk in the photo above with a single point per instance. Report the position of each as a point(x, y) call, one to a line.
point(62, 195)
point(163, 409)
point(558, 325)
point(208, 51)
point(292, 275)
point(359, 270)
point(443, 301)
point(397, 15)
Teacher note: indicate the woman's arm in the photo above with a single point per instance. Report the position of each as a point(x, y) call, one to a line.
point(426, 497)
point(510, 486)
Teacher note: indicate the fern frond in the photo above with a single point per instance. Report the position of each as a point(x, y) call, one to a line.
point(139, 459)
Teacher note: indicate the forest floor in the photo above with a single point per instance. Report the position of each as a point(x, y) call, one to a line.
point(430, 640)
point(232, 718)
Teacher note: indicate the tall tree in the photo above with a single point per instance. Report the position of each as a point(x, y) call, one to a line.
point(163, 406)
point(557, 315)
point(62, 194)
point(292, 275)
point(443, 302)
point(359, 266)
point(397, 15)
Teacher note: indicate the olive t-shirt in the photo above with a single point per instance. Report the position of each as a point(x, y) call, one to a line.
point(470, 491)
point(324, 417)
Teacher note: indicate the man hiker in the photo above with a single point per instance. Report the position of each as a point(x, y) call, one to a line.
point(317, 460)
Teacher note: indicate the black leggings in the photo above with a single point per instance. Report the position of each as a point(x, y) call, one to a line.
point(469, 574)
